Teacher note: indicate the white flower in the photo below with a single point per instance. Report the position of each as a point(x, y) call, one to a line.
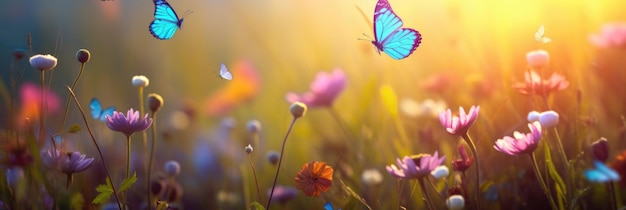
point(140, 81)
point(43, 62)
point(371, 176)
point(455, 202)
point(547, 119)
point(440, 171)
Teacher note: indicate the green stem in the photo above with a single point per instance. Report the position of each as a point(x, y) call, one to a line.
point(67, 104)
point(149, 172)
point(82, 112)
point(423, 186)
point(128, 156)
point(256, 181)
point(472, 146)
point(542, 183)
point(280, 160)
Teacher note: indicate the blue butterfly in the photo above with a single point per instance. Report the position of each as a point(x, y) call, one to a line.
point(602, 173)
point(97, 112)
point(329, 206)
point(165, 21)
point(390, 38)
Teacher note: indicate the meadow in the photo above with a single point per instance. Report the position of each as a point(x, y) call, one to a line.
point(502, 105)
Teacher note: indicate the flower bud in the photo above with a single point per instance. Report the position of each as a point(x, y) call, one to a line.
point(43, 62)
point(548, 119)
point(140, 81)
point(533, 116)
point(298, 109)
point(18, 54)
point(254, 126)
point(83, 55)
point(455, 202)
point(600, 149)
point(440, 172)
point(272, 157)
point(155, 102)
point(249, 149)
point(538, 59)
point(172, 168)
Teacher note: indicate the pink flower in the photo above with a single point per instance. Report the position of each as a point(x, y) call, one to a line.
point(459, 125)
point(324, 90)
point(537, 59)
point(533, 84)
point(418, 166)
point(464, 163)
point(128, 124)
point(611, 35)
point(520, 143)
point(31, 96)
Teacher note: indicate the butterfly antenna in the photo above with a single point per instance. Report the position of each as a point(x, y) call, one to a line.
point(188, 12)
point(369, 38)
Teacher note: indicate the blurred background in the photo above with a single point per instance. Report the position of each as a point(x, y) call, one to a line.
point(471, 54)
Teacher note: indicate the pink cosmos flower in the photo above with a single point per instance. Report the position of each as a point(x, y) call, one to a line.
point(324, 90)
point(520, 143)
point(611, 35)
point(128, 124)
point(418, 166)
point(458, 125)
point(534, 84)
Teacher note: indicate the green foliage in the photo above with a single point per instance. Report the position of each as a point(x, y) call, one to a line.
point(77, 201)
point(105, 192)
point(128, 182)
point(74, 128)
point(256, 206)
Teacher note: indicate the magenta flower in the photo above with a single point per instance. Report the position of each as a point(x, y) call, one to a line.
point(611, 35)
point(534, 84)
point(458, 125)
point(324, 90)
point(68, 163)
point(128, 124)
point(417, 166)
point(520, 143)
point(464, 162)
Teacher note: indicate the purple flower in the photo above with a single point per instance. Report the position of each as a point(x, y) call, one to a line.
point(68, 163)
point(128, 124)
point(458, 125)
point(283, 194)
point(520, 143)
point(324, 90)
point(417, 166)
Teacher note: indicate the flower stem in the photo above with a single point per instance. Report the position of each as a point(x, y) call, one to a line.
point(128, 156)
point(280, 160)
point(256, 181)
point(69, 180)
point(613, 197)
point(541, 182)
point(67, 104)
point(150, 159)
point(119, 204)
point(472, 146)
point(423, 186)
point(41, 110)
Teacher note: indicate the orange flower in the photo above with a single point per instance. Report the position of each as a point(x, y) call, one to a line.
point(314, 178)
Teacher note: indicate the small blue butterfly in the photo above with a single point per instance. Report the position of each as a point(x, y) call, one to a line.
point(390, 38)
point(165, 21)
point(329, 206)
point(602, 173)
point(224, 73)
point(97, 112)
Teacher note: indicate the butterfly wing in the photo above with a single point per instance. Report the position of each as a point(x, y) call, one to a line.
point(539, 33)
point(328, 206)
point(390, 38)
point(595, 176)
point(608, 172)
point(224, 73)
point(107, 112)
point(96, 108)
point(165, 21)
